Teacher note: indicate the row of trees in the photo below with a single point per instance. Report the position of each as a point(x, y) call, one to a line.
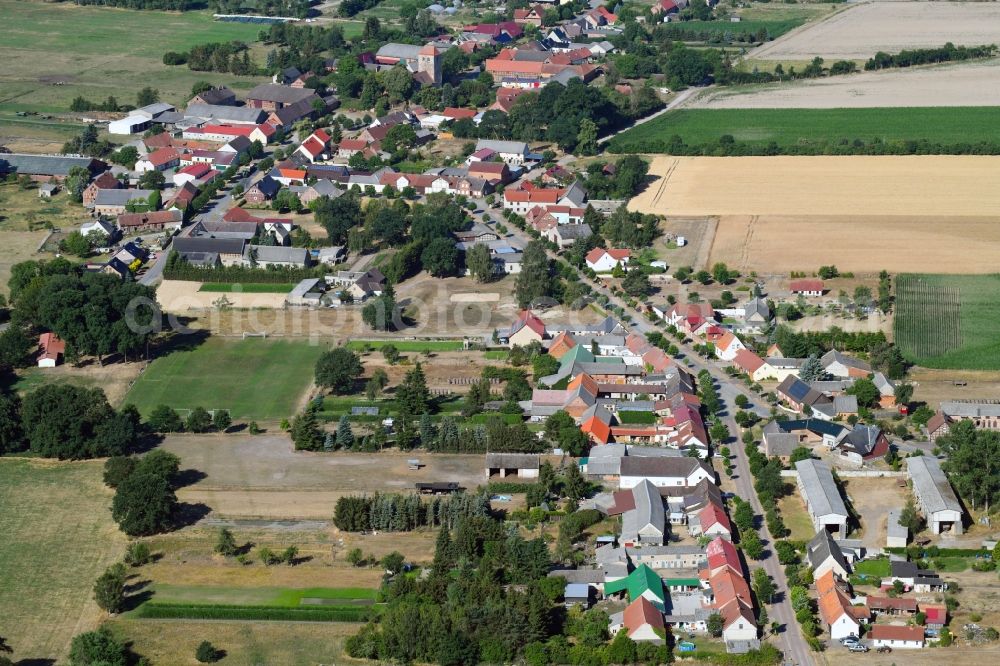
point(226, 57)
point(947, 53)
point(402, 513)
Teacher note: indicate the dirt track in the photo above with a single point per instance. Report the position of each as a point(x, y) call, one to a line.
point(860, 31)
point(966, 84)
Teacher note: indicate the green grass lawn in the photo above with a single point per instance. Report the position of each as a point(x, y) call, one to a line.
point(810, 130)
point(497, 355)
point(408, 345)
point(58, 537)
point(253, 378)
point(796, 519)
point(640, 418)
point(258, 596)
point(335, 406)
point(949, 321)
point(247, 288)
point(102, 51)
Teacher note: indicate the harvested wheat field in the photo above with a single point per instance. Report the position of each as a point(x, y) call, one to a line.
point(862, 30)
point(965, 84)
point(778, 214)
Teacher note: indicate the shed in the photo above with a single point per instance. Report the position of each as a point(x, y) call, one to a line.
point(937, 500)
point(50, 349)
point(522, 465)
point(46, 190)
point(577, 594)
point(896, 535)
point(822, 497)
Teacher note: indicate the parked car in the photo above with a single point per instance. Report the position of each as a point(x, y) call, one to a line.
point(848, 639)
point(857, 647)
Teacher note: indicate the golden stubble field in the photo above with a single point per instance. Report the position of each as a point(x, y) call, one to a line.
point(862, 213)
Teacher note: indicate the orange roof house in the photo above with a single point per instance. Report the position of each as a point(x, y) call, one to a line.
point(561, 344)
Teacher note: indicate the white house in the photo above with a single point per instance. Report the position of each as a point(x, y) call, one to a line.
point(663, 472)
point(97, 227)
point(513, 153)
point(601, 260)
point(641, 620)
point(896, 636)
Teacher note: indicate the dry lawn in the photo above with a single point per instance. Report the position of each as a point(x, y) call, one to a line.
point(114, 378)
point(966, 84)
point(872, 499)
point(15, 247)
point(245, 643)
point(58, 537)
point(866, 28)
point(935, 386)
point(779, 214)
point(263, 477)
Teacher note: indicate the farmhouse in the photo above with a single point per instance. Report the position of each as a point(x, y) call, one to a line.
point(913, 578)
point(513, 153)
point(161, 220)
point(892, 606)
point(645, 522)
point(602, 260)
point(643, 582)
point(841, 618)
point(896, 636)
point(985, 415)
point(265, 256)
point(114, 202)
point(822, 498)
point(522, 465)
point(271, 97)
point(825, 555)
point(213, 96)
point(663, 472)
point(842, 365)
point(210, 252)
point(50, 350)
point(105, 181)
point(98, 227)
point(641, 620)
point(934, 494)
point(807, 287)
point(227, 115)
point(160, 159)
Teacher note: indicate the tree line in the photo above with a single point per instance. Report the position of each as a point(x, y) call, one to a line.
point(396, 512)
point(911, 57)
point(232, 57)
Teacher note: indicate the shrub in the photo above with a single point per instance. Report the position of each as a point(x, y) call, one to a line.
point(206, 653)
point(137, 553)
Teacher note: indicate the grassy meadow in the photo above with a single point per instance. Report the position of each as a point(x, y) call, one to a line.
point(58, 536)
point(56, 51)
point(253, 378)
point(949, 321)
point(798, 127)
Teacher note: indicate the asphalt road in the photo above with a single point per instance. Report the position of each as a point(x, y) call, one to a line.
point(789, 639)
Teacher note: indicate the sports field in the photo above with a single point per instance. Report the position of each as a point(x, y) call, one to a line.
point(58, 537)
point(949, 321)
point(253, 378)
point(56, 51)
point(812, 130)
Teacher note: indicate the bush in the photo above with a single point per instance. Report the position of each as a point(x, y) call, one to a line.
point(137, 554)
point(206, 653)
point(117, 469)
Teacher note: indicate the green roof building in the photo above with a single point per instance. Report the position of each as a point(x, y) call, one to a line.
point(642, 582)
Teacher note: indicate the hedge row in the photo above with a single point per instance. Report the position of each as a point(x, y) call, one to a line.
point(944, 552)
point(225, 612)
point(241, 274)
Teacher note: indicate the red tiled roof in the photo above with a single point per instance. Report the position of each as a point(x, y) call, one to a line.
point(712, 515)
point(806, 285)
point(50, 346)
point(353, 144)
point(721, 553)
point(198, 169)
point(456, 113)
point(162, 156)
point(891, 632)
point(595, 255)
point(747, 361)
point(640, 613)
point(143, 219)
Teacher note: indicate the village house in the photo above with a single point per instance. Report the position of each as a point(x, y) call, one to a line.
point(823, 555)
point(100, 227)
point(315, 147)
point(896, 637)
point(840, 616)
point(913, 578)
point(196, 174)
point(158, 160)
point(512, 153)
point(601, 260)
point(210, 252)
point(641, 620)
point(270, 97)
point(220, 114)
point(807, 287)
point(105, 181)
point(161, 220)
point(114, 202)
point(220, 95)
point(262, 191)
point(266, 256)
